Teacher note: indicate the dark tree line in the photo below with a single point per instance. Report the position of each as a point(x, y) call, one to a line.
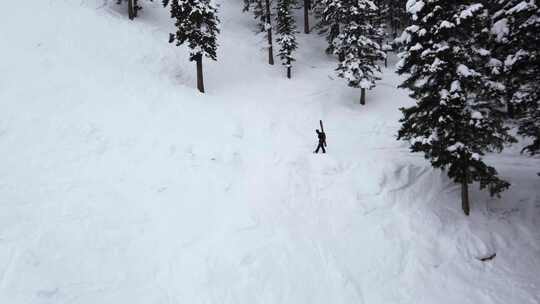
point(357, 32)
point(473, 67)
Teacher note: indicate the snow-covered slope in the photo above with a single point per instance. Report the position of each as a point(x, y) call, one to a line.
point(119, 183)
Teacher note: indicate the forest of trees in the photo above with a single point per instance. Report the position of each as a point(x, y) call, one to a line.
point(472, 66)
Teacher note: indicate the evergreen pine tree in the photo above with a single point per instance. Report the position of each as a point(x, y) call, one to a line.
point(379, 23)
point(516, 28)
point(454, 122)
point(197, 24)
point(380, 18)
point(358, 47)
point(286, 31)
point(397, 15)
point(330, 14)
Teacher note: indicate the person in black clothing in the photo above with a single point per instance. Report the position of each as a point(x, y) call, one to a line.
point(322, 141)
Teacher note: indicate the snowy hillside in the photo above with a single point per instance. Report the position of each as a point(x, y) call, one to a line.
point(120, 183)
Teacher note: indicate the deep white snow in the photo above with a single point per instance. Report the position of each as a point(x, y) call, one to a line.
point(120, 183)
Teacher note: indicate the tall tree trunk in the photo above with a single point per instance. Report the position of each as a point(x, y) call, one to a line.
point(200, 80)
point(363, 97)
point(269, 29)
point(135, 9)
point(307, 5)
point(289, 69)
point(334, 32)
point(131, 10)
point(391, 16)
point(465, 205)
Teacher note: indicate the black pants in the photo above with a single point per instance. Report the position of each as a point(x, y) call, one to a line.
point(320, 146)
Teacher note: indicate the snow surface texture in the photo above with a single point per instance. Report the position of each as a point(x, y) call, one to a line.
point(119, 183)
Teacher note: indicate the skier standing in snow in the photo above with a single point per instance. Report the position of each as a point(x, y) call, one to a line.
point(322, 139)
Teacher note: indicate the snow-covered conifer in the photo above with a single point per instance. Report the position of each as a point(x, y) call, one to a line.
point(330, 14)
point(357, 46)
point(516, 31)
point(454, 122)
point(397, 15)
point(380, 18)
point(286, 31)
point(197, 24)
point(380, 27)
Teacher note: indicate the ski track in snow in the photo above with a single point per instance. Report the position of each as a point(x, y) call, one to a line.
point(119, 183)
